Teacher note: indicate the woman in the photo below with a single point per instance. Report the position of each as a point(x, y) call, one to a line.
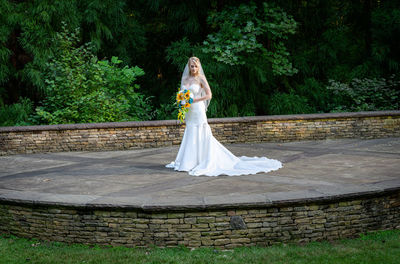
point(200, 153)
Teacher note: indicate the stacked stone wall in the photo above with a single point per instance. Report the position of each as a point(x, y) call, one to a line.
point(298, 222)
point(131, 135)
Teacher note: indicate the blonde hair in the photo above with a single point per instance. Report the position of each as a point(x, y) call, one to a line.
point(196, 61)
point(187, 73)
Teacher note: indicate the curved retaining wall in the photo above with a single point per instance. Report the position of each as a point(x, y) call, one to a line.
point(130, 135)
point(298, 221)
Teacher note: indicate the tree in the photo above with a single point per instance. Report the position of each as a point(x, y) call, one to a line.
point(81, 89)
point(243, 55)
point(28, 28)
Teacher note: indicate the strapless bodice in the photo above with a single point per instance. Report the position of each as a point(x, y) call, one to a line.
point(194, 88)
point(197, 113)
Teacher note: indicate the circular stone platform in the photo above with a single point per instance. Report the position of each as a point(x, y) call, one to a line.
point(326, 190)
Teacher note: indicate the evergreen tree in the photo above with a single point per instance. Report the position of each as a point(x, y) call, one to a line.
point(334, 42)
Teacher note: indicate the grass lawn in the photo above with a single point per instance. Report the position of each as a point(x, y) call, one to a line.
point(376, 247)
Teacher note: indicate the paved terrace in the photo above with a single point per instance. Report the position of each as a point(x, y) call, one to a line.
point(313, 170)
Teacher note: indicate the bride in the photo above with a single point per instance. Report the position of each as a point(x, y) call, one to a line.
point(200, 153)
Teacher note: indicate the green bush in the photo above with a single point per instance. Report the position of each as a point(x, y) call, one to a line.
point(16, 114)
point(317, 94)
point(167, 111)
point(240, 30)
point(366, 94)
point(288, 103)
point(81, 89)
point(241, 67)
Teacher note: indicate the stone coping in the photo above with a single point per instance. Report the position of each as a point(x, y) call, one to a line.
point(93, 202)
point(210, 121)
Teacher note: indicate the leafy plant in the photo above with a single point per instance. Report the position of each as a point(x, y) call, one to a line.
point(82, 89)
point(243, 32)
point(288, 103)
point(16, 114)
point(318, 96)
point(167, 110)
point(367, 94)
point(242, 58)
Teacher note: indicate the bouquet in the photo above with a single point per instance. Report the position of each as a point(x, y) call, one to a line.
point(184, 99)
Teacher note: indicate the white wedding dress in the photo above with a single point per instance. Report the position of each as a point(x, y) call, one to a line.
point(200, 153)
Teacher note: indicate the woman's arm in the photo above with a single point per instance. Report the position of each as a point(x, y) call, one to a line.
point(206, 87)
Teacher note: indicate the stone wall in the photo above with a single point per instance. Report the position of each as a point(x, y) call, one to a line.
point(130, 135)
point(297, 221)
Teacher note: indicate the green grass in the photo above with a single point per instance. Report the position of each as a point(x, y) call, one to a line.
point(377, 247)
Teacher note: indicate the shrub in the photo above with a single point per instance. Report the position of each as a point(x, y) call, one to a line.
point(366, 94)
point(16, 114)
point(317, 94)
point(167, 111)
point(288, 103)
point(82, 89)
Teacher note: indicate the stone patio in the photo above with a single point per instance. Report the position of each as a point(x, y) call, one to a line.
point(139, 179)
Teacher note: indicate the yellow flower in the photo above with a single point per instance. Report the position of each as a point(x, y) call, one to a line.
point(187, 105)
point(181, 116)
point(179, 97)
point(187, 95)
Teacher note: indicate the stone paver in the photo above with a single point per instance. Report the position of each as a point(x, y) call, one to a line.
point(138, 178)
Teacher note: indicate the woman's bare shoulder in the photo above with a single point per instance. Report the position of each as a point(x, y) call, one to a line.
point(202, 78)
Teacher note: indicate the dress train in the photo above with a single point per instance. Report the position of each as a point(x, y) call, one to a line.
point(200, 153)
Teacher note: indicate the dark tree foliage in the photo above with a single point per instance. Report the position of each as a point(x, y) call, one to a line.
point(261, 57)
point(28, 28)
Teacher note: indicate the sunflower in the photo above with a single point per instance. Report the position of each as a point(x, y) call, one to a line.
point(179, 97)
point(184, 101)
point(187, 95)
